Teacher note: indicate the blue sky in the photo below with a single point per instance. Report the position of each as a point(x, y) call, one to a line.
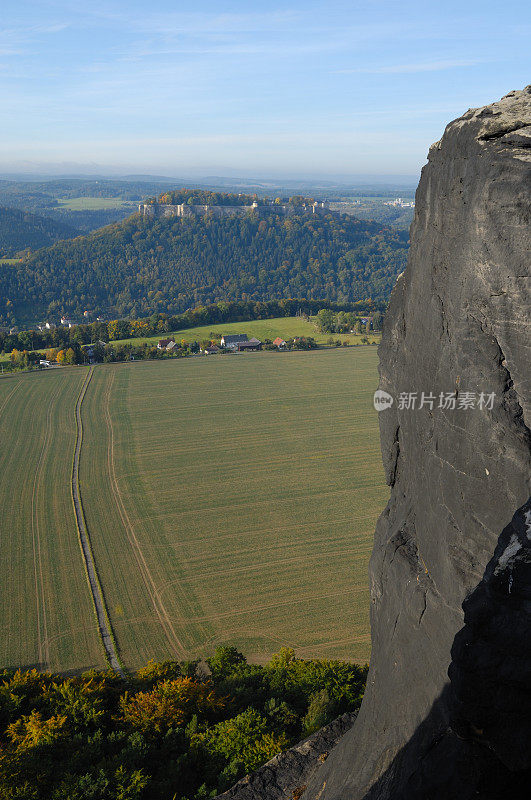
point(283, 88)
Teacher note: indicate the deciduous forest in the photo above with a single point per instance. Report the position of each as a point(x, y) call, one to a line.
point(170, 731)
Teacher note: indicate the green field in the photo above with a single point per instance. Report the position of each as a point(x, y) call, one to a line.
point(285, 327)
point(46, 611)
point(96, 203)
point(228, 501)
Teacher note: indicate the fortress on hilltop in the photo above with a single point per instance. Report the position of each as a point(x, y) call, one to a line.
point(156, 210)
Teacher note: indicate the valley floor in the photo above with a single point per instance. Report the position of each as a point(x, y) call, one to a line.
point(227, 500)
point(285, 327)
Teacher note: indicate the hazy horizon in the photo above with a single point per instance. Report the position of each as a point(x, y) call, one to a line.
point(45, 172)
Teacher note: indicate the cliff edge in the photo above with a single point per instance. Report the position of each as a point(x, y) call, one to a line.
point(458, 464)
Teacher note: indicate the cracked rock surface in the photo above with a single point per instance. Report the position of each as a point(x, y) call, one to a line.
point(286, 775)
point(458, 323)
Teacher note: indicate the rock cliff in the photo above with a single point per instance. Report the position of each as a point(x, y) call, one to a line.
point(457, 330)
point(287, 774)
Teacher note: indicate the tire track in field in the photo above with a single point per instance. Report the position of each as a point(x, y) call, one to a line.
point(158, 605)
point(90, 566)
point(9, 396)
point(253, 608)
point(227, 572)
point(40, 599)
point(7, 634)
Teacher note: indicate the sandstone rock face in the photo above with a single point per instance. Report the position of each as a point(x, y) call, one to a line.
point(458, 323)
point(287, 774)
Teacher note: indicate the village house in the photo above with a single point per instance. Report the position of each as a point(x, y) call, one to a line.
point(233, 340)
point(163, 344)
point(251, 344)
point(280, 343)
point(46, 326)
point(210, 350)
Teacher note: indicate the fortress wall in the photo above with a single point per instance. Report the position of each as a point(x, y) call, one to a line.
point(154, 210)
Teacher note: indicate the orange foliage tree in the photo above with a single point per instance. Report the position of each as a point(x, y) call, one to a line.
point(171, 703)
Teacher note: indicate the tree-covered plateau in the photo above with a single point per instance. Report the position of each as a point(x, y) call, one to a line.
point(206, 197)
point(143, 266)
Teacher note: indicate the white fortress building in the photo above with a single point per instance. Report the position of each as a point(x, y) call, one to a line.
point(400, 203)
point(184, 210)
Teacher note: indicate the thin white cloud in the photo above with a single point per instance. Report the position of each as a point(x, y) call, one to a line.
point(56, 27)
point(150, 22)
point(426, 66)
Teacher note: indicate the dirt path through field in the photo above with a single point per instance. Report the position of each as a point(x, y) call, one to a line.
point(97, 594)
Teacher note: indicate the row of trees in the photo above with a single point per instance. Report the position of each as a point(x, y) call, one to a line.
point(205, 197)
point(330, 321)
point(233, 311)
point(29, 359)
point(141, 266)
point(170, 731)
point(109, 353)
point(210, 198)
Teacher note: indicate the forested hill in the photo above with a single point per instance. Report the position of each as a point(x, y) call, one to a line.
point(20, 230)
point(140, 266)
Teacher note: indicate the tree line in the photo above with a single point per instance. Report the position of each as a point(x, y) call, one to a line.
point(330, 320)
point(206, 197)
point(170, 731)
point(233, 311)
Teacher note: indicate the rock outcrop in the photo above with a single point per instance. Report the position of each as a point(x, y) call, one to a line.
point(458, 465)
point(287, 774)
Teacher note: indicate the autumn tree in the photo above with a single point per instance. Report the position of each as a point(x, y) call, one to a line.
point(171, 703)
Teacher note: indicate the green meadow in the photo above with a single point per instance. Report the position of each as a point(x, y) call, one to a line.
point(285, 327)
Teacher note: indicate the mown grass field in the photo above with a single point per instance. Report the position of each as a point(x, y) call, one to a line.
point(228, 500)
point(46, 614)
point(285, 327)
point(233, 501)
